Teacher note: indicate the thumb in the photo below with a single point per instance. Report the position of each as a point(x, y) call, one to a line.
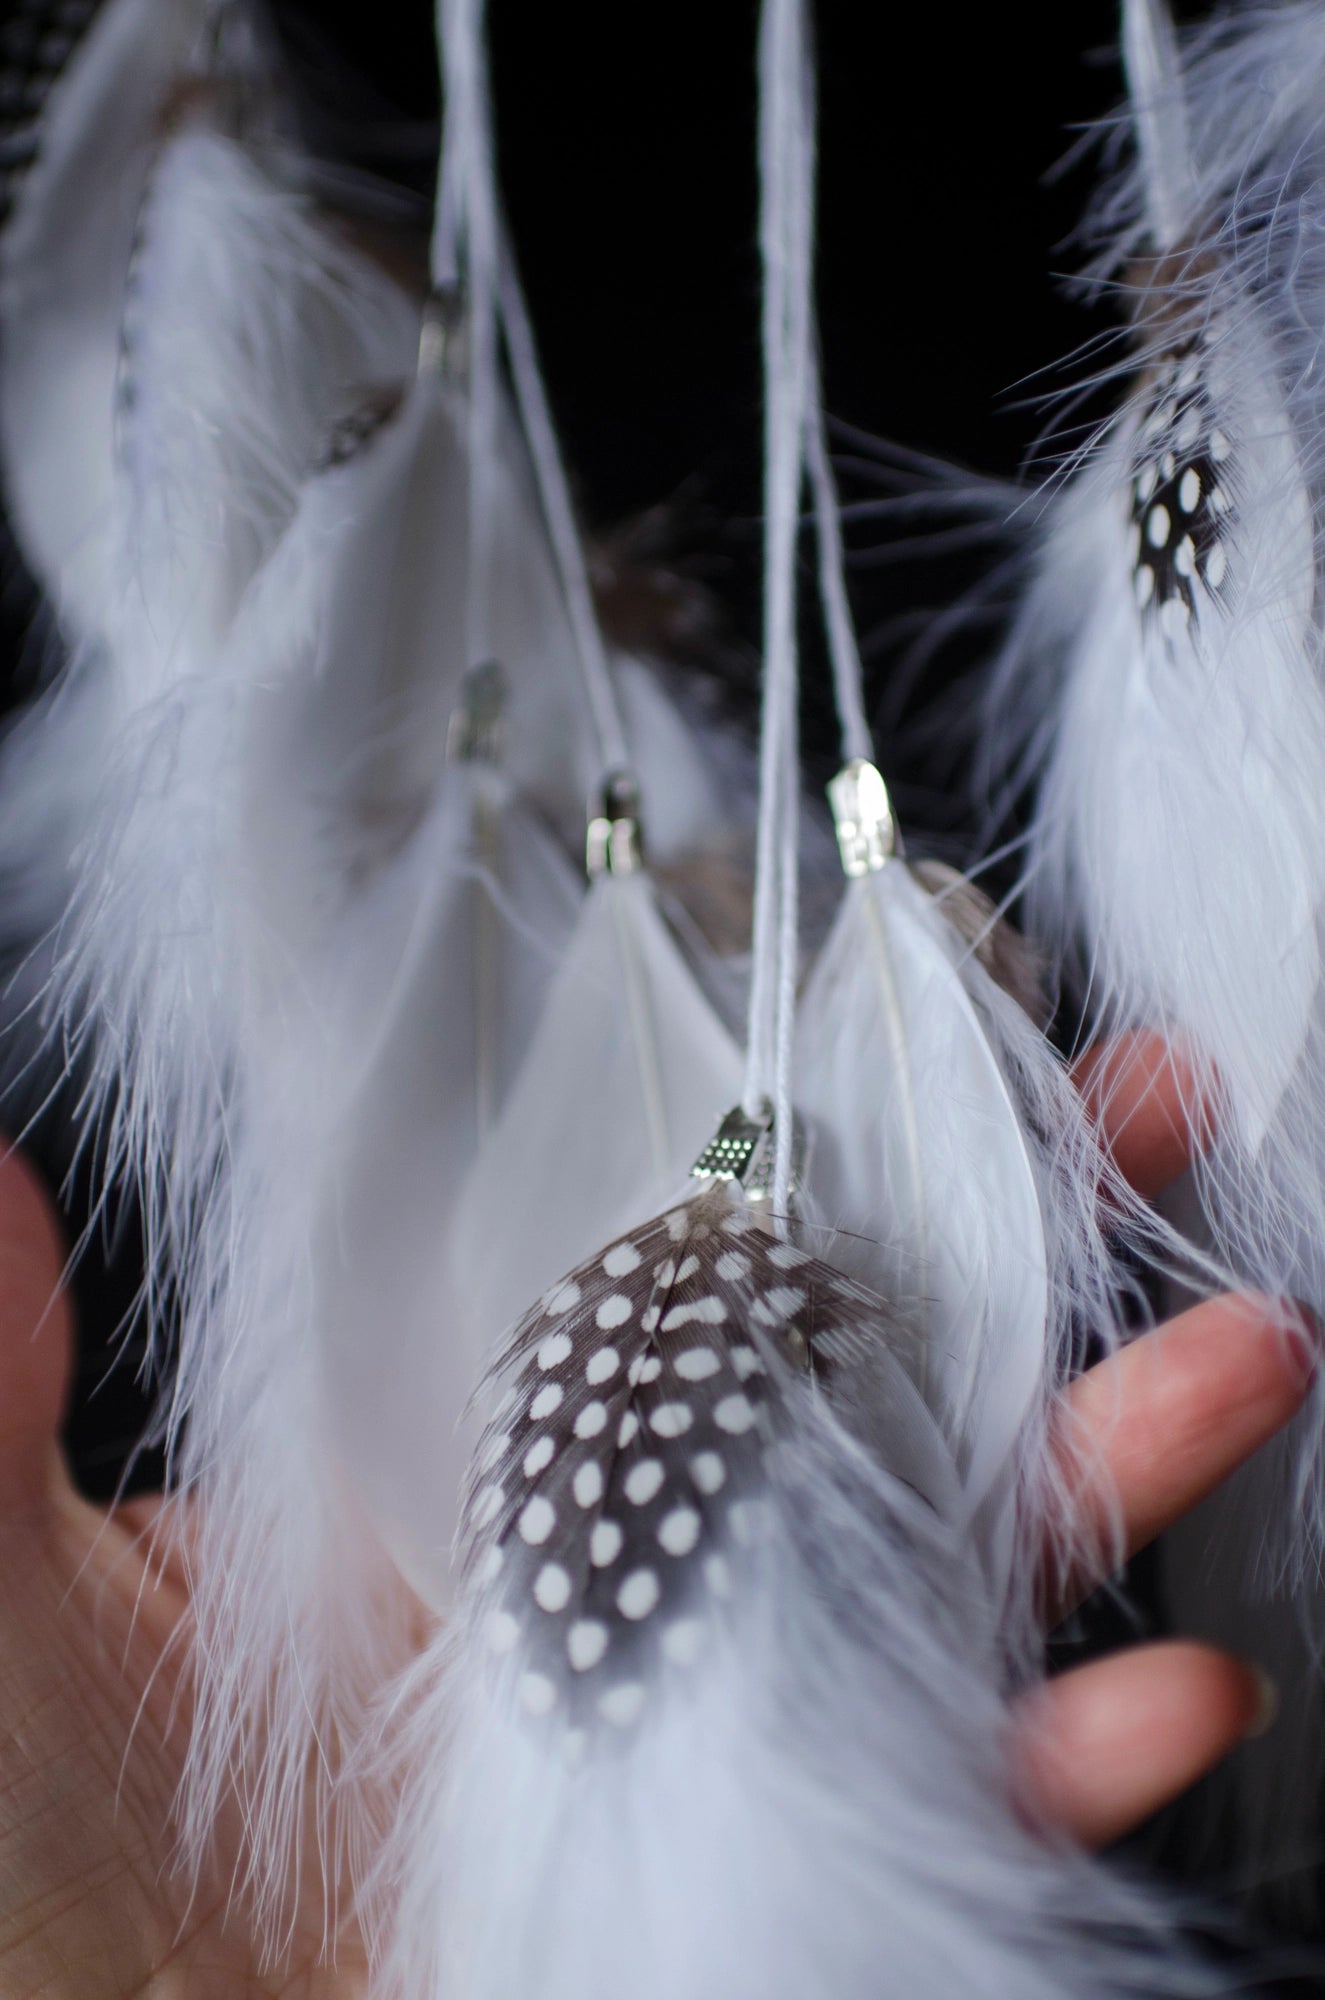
point(34, 1334)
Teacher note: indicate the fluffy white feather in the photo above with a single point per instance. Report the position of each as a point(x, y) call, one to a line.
point(920, 1159)
point(627, 1078)
point(117, 785)
point(252, 324)
point(65, 249)
point(1162, 688)
point(719, 1715)
point(403, 916)
point(1163, 680)
point(379, 888)
point(298, 950)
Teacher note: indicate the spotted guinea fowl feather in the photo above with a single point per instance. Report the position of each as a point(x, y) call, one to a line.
point(628, 1449)
point(718, 1715)
point(639, 1405)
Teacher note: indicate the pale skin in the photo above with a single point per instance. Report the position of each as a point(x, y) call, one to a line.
point(93, 1632)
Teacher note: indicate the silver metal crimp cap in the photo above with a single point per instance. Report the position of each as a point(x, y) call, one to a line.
point(442, 343)
point(613, 844)
point(863, 816)
point(740, 1150)
point(476, 730)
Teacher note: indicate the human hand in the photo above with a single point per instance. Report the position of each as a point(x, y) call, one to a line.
point(94, 1710)
point(1144, 1436)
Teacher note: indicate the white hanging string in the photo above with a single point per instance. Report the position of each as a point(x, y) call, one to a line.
point(843, 651)
point(839, 627)
point(471, 248)
point(1154, 84)
point(559, 514)
point(464, 257)
point(786, 179)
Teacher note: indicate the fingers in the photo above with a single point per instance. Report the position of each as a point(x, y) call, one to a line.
point(1141, 1437)
point(34, 1334)
point(1145, 1096)
point(1101, 1748)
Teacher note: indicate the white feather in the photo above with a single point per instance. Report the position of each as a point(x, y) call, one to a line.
point(430, 1068)
point(65, 252)
point(627, 1078)
point(1163, 687)
point(1163, 679)
point(758, 1757)
point(235, 392)
point(919, 1158)
point(175, 965)
point(368, 881)
point(403, 918)
point(1189, 737)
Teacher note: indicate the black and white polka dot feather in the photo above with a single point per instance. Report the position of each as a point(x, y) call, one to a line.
point(37, 41)
point(1182, 513)
point(623, 1486)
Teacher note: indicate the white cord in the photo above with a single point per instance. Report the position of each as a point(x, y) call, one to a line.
point(471, 248)
point(464, 253)
point(786, 183)
point(559, 515)
point(795, 443)
point(1159, 114)
point(843, 651)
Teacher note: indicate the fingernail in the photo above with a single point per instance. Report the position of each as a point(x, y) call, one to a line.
point(1267, 1704)
point(1302, 1331)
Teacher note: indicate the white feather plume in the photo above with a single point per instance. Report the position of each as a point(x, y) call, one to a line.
point(628, 1076)
point(116, 784)
point(250, 323)
point(1162, 689)
point(720, 1715)
point(920, 1161)
point(1162, 684)
point(65, 251)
